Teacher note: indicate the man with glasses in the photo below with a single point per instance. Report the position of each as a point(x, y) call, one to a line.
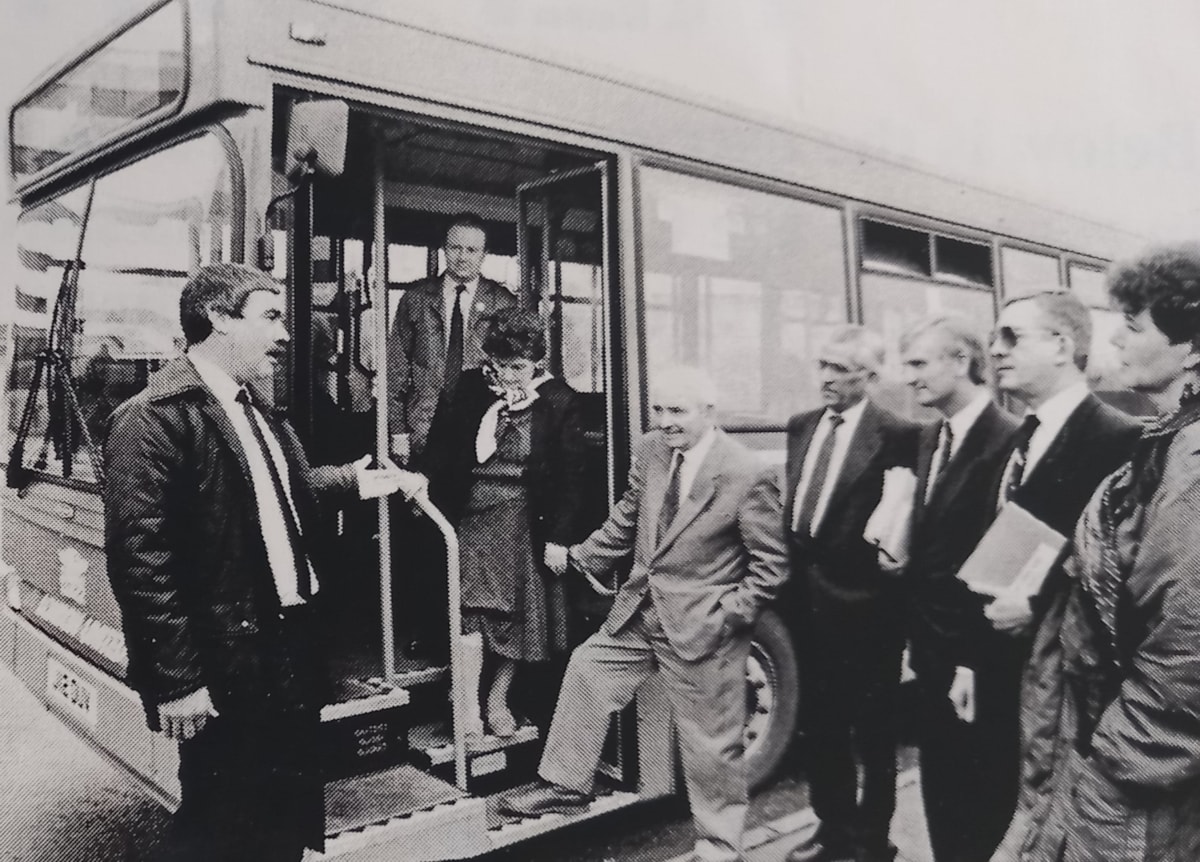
point(1068, 441)
point(848, 620)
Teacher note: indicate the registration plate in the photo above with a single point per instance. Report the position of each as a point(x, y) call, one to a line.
point(68, 690)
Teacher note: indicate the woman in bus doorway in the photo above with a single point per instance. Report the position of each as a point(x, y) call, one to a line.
point(1121, 701)
point(505, 458)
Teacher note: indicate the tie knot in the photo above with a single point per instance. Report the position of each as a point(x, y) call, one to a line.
point(243, 397)
point(946, 432)
point(836, 419)
point(459, 290)
point(1028, 426)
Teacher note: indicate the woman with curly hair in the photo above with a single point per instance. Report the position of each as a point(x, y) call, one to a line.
point(505, 458)
point(1123, 701)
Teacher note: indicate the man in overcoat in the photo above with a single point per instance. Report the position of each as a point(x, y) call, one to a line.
point(208, 504)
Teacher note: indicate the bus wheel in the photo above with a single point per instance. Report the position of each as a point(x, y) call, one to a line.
point(772, 698)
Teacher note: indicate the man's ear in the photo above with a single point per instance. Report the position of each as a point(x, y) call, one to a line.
point(219, 318)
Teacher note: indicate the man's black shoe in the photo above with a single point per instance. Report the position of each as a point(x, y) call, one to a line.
point(545, 798)
point(816, 848)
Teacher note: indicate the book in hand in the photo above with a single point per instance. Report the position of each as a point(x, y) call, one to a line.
point(1014, 556)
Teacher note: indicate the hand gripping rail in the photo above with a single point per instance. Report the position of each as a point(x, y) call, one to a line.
point(454, 589)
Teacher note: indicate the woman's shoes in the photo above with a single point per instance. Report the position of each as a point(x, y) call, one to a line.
point(500, 720)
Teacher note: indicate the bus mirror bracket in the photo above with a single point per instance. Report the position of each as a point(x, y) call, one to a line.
point(317, 131)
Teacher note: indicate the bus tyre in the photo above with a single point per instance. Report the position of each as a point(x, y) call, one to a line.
point(772, 698)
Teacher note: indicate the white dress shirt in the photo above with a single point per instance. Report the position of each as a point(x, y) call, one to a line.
point(960, 426)
point(1052, 416)
point(282, 558)
point(449, 291)
point(693, 458)
point(851, 417)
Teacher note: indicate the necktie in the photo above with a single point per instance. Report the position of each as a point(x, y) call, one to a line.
point(670, 506)
point(303, 582)
point(1016, 473)
point(454, 347)
point(941, 458)
point(802, 521)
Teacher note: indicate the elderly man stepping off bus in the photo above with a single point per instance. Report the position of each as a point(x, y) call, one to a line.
point(701, 517)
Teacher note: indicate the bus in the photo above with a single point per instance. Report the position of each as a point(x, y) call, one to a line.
point(330, 144)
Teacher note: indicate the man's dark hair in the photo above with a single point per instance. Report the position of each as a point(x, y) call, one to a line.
point(467, 219)
point(1166, 281)
point(220, 286)
point(516, 333)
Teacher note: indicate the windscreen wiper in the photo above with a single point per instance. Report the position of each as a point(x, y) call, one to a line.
point(64, 415)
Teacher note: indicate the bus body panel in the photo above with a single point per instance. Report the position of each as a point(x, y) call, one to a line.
point(373, 51)
point(95, 705)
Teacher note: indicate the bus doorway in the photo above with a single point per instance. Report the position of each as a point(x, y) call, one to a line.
point(381, 223)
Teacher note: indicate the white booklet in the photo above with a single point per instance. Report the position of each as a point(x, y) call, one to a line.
point(890, 526)
point(1014, 556)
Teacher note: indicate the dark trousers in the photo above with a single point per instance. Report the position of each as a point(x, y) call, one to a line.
point(969, 771)
point(851, 669)
point(251, 784)
point(419, 581)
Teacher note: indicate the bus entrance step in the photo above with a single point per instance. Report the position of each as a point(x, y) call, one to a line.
point(363, 800)
point(365, 732)
point(431, 745)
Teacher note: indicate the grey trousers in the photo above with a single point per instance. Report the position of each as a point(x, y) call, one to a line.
point(708, 699)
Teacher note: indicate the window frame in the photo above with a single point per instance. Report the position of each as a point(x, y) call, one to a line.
point(26, 182)
point(642, 160)
point(237, 184)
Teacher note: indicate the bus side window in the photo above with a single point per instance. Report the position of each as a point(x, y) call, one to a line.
point(742, 283)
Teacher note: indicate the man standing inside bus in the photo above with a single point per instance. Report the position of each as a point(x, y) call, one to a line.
point(208, 507)
point(437, 333)
point(968, 676)
point(846, 613)
point(701, 518)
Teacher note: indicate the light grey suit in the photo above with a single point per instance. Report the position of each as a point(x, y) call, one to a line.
point(685, 610)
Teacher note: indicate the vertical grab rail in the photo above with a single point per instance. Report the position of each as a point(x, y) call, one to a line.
point(454, 591)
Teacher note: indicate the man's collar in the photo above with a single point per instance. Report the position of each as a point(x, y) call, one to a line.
point(451, 283)
point(700, 449)
point(1056, 409)
point(217, 379)
point(962, 421)
point(850, 414)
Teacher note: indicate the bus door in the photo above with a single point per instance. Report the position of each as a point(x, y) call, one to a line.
point(564, 242)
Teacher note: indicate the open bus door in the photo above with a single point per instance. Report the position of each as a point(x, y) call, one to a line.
point(564, 242)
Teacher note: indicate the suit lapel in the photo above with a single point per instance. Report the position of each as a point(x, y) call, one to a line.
point(699, 495)
point(804, 438)
point(220, 419)
point(925, 452)
point(977, 445)
point(863, 448)
point(1064, 441)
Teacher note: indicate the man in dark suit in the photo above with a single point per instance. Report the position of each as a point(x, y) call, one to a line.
point(848, 622)
point(436, 334)
point(968, 676)
point(1068, 442)
point(438, 331)
point(208, 506)
point(701, 519)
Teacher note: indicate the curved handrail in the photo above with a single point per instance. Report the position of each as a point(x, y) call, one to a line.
point(450, 537)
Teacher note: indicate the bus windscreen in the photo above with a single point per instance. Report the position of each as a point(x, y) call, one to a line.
point(134, 78)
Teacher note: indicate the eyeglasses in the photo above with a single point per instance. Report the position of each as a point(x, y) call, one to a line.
point(1008, 337)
